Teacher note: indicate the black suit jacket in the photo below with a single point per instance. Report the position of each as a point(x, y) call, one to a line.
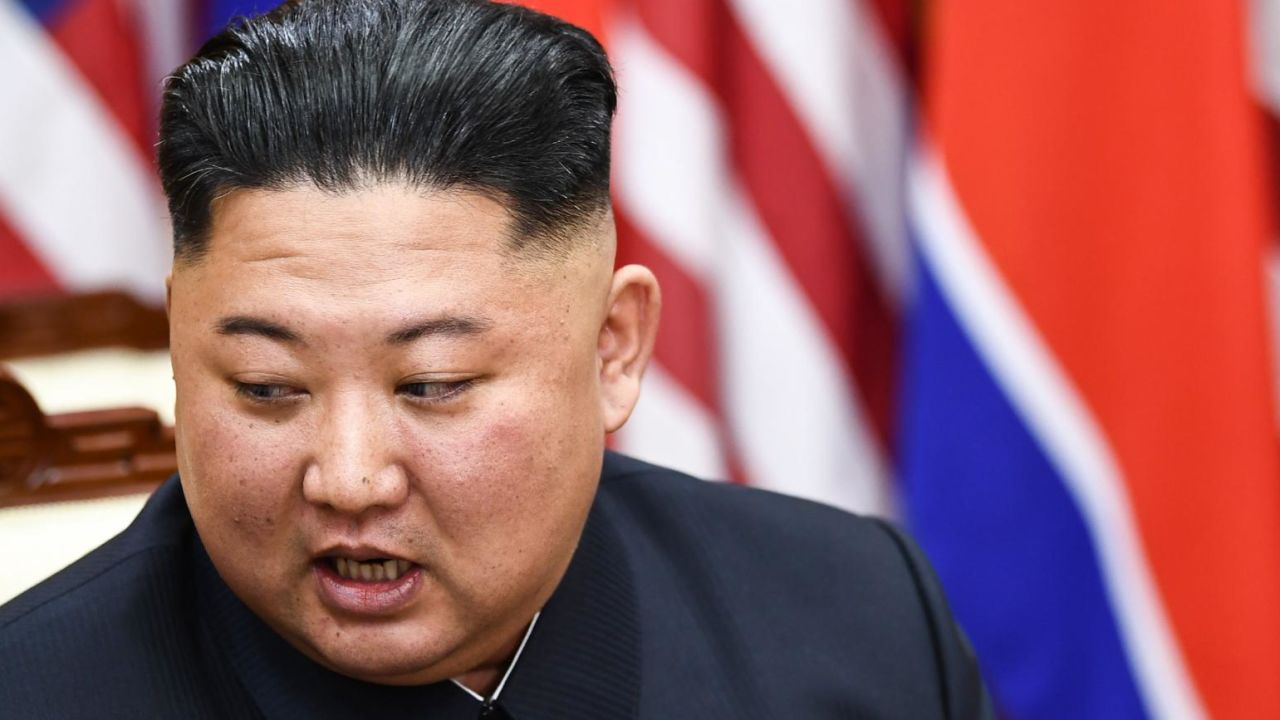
point(685, 599)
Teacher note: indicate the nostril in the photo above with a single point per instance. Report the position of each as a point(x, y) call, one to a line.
point(347, 489)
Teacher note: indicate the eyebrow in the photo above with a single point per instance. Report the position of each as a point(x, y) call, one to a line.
point(245, 325)
point(455, 326)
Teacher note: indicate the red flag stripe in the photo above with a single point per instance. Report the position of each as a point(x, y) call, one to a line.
point(1127, 215)
point(1273, 138)
point(778, 164)
point(102, 39)
point(897, 20)
point(686, 339)
point(686, 347)
point(21, 273)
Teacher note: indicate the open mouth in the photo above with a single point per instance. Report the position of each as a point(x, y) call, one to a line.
point(372, 570)
point(373, 586)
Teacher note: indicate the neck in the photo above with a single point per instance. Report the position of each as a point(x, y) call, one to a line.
point(482, 681)
point(485, 678)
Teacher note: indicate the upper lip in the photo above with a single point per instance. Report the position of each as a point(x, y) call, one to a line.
point(360, 553)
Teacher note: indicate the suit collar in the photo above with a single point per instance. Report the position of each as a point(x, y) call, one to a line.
point(583, 659)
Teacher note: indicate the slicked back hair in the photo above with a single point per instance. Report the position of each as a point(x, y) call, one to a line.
point(439, 94)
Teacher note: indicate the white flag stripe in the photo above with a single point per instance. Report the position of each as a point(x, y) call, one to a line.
point(165, 30)
point(808, 437)
point(668, 151)
point(671, 428)
point(1264, 35)
point(1057, 417)
point(839, 72)
point(72, 184)
point(788, 398)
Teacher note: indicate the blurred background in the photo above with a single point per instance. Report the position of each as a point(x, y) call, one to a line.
point(1005, 271)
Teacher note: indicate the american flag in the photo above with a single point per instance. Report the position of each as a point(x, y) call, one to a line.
point(999, 269)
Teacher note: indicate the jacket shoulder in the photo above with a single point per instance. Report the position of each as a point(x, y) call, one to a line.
point(786, 583)
point(113, 634)
point(161, 526)
point(731, 518)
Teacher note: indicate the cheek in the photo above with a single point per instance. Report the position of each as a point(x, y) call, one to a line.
point(485, 471)
point(240, 475)
point(519, 474)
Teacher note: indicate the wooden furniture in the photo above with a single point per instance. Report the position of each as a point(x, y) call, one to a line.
point(80, 455)
point(71, 480)
point(65, 323)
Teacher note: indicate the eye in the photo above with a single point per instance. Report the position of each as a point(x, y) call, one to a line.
point(434, 392)
point(266, 393)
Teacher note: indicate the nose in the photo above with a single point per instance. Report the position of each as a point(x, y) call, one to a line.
point(354, 467)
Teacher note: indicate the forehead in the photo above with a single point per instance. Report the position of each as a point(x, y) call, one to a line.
point(371, 235)
point(360, 262)
point(349, 265)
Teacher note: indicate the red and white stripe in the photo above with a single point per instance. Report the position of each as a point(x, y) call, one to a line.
point(759, 160)
point(80, 208)
point(758, 156)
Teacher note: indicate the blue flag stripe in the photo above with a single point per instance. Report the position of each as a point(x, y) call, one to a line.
point(1010, 546)
point(45, 11)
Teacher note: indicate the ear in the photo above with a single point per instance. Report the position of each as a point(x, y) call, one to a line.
point(626, 341)
point(168, 294)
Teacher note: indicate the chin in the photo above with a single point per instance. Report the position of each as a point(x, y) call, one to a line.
point(382, 656)
point(387, 652)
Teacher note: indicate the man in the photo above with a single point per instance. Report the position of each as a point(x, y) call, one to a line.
point(399, 342)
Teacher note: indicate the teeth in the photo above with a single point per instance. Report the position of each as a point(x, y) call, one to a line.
point(371, 572)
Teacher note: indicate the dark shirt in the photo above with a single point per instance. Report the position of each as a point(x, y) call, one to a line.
point(684, 599)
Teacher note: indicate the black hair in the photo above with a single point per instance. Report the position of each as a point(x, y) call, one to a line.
point(440, 94)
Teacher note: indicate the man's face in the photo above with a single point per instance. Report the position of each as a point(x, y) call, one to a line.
point(372, 377)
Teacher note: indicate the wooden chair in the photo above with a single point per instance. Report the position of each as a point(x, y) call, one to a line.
point(71, 480)
point(76, 456)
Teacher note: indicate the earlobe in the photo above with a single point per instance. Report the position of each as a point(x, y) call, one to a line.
point(626, 341)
